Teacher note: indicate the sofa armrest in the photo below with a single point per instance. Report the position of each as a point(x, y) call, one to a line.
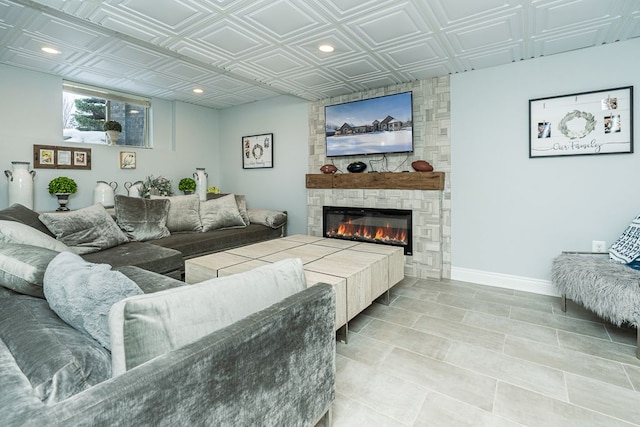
point(275, 367)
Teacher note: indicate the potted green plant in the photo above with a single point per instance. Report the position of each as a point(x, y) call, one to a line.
point(187, 185)
point(113, 129)
point(62, 187)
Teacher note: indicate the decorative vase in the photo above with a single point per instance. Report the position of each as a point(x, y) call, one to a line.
point(63, 199)
point(200, 176)
point(104, 193)
point(112, 137)
point(187, 192)
point(134, 189)
point(20, 184)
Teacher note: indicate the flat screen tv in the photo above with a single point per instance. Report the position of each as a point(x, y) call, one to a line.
point(370, 126)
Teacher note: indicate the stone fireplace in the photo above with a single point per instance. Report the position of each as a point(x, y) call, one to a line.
point(381, 226)
point(431, 212)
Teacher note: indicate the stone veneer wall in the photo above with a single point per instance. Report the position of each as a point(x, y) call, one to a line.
point(431, 209)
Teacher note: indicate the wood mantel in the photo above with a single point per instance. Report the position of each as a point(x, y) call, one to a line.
point(378, 180)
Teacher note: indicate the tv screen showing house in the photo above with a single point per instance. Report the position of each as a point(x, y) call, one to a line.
point(370, 126)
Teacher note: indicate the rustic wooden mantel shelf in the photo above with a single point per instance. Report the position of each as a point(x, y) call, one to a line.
point(379, 180)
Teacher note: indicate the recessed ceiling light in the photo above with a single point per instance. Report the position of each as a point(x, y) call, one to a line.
point(51, 50)
point(198, 90)
point(327, 48)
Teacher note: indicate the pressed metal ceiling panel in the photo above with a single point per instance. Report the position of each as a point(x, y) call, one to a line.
point(242, 51)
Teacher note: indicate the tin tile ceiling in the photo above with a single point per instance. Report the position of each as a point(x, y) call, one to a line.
point(240, 51)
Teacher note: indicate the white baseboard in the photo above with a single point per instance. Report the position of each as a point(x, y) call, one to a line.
point(526, 284)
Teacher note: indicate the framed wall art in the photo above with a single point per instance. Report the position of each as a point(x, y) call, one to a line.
point(127, 160)
point(597, 122)
point(55, 157)
point(257, 151)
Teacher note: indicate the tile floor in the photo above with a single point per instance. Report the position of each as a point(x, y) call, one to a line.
point(447, 353)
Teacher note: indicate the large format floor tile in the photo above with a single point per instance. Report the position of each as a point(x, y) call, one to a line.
point(447, 353)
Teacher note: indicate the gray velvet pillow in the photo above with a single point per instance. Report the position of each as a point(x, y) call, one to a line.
point(82, 293)
point(22, 267)
point(273, 219)
point(241, 201)
point(142, 219)
point(220, 213)
point(85, 230)
point(184, 213)
point(17, 232)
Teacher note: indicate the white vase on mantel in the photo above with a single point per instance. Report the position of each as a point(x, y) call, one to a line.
point(200, 176)
point(20, 184)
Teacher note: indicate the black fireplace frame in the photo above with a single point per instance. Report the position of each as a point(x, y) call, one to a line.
point(406, 215)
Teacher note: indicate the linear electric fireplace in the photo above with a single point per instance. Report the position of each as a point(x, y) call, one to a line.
point(383, 226)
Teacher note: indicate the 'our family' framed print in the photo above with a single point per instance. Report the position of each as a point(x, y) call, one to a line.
point(597, 122)
point(257, 151)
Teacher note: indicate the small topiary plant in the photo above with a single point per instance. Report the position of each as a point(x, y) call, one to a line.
point(62, 184)
point(187, 184)
point(112, 125)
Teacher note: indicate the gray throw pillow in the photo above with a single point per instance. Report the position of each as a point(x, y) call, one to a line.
point(82, 293)
point(17, 232)
point(22, 267)
point(184, 213)
point(241, 201)
point(273, 219)
point(85, 230)
point(220, 213)
point(142, 219)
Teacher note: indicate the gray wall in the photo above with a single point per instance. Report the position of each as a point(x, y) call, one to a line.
point(283, 186)
point(184, 137)
point(510, 214)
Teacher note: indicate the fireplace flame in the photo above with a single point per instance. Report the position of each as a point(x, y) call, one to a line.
point(385, 234)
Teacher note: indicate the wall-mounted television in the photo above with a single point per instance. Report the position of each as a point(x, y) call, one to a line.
point(370, 126)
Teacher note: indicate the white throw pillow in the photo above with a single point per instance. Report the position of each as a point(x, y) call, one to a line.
point(16, 232)
point(145, 326)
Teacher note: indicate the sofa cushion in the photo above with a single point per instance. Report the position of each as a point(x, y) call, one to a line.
point(241, 201)
point(145, 326)
point(145, 255)
point(22, 267)
point(273, 219)
point(17, 232)
point(220, 213)
point(184, 213)
point(142, 219)
point(24, 215)
point(85, 230)
point(82, 293)
point(57, 360)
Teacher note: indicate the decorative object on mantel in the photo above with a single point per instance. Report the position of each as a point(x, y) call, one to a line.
point(104, 192)
point(421, 166)
point(113, 130)
point(200, 176)
point(127, 160)
point(159, 186)
point(20, 184)
point(134, 189)
point(356, 167)
point(62, 187)
point(56, 157)
point(328, 168)
point(187, 185)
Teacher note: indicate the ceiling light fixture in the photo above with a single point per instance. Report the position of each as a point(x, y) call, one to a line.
point(198, 90)
point(327, 48)
point(51, 50)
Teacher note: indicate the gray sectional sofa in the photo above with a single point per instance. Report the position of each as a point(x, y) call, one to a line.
point(256, 348)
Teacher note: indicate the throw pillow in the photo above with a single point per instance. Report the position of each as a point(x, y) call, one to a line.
point(85, 230)
point(273, 219)
point(184, 213)
point(22, 267)
point(220, 213)
point(82, 293)
point(241, 201)
point(23, 214)
point(17, 232)
point(627, 247)
point(146, 326)
point(142, 219)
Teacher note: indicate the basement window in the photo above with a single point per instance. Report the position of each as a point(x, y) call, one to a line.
point(86, 108)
